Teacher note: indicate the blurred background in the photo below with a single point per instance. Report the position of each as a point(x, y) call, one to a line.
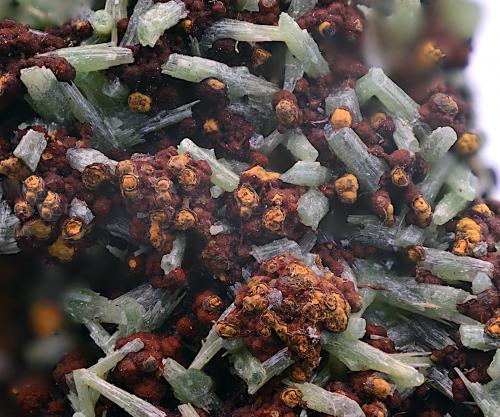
point(482, 75)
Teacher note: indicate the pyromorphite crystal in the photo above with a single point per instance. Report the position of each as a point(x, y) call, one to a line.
point(463, 182)
point(351, 150)
point(187, 410)
point(344, 98)
point(294, 71)
point(448, 207)
point(222, 176)
point(487, 396)
point(87, 58)
point(298, 145)
point(404, 138)
point(174, 258)
point(303, 47)
point(191, 385)
point(45, 94)
point(238, 79)
point(312, 207)
point(395, 100)
point(309, 174)
point(474, 337)
point(30, 148)
point(130, 37)
point(158, 19)
point(434, 146)
point(299, 8)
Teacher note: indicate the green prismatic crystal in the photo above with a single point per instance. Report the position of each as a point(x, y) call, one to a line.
point(158, 19)
point(309, 174)
point(462, 181)
point(222, 176)
point(98, 57)
point(187, 410)
point(351, 150)
point(299, 146)
point(30, 148)
point(494, 368)
point(344, 98)
point(294, 71)
point(434, 146)
point(474, 337)
point(312, 207)
point(174, 258)
point(299, 8)
point(102, 22)
point(448, 207)
point(404, 138)
point(130, 36)
point(487, 396)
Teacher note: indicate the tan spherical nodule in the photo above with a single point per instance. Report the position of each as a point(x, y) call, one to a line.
point(341, 118)
point(185, 219)
point(347, 188)
point(273, 219)
point(467, 144)
point(129, 185)
point(287, 112)
point(73, 229)
point(139, 102)
point(188, 178)
point(226, 330)
point(211, 126)
point(291, 397)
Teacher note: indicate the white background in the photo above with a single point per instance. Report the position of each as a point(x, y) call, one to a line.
point(484, 77)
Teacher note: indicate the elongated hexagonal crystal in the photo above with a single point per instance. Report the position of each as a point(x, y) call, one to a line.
point(133, 405)
point(187, 410)
point(404, 138)
point(240, 31)
point(191, 385)
point(267, 144)
point(130, 36)
point(294, 71)
point(299, 8)
point(448, 207)
point(102, 22)
point(79, 158)
point(463, 182)
point(345, 98)
point(158, 19)
point(474, 337)
point(45, 94)
point(436, 177)
point(450, 267)
point(238, 79)
point(299, 146)
point(327, 402)
point(87, 58)
point(248, 367)
point(360, 356)
point(303, 47)
point(275, 248)
point(174, 258)
point(481, 282)
point(273, 366)
point(395, 100)
point(222, 176)
point(30, 148)
point(434, 146)
point(312, 207)
point(487, 396)
point(106, 364)
point(309, 174)
point(351, 150)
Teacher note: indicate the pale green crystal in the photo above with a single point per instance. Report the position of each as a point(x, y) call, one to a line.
point(438, 378)
point(174, 258)
point(211, 345)
point(474, 337)
point(344, 98)
point(299, 8)
point(187, 410)
point(166, 118)
point(240, 31)
point(309, 174)
point(30, 148)
point(434, 146)
point(360, 356)
point(158, 19)
point(448, 207)
point(273, 366)
point(238, 79)
point(109, 96)
point(248, 367)
point(351, 150)
point(450, 267)
point(487, 396)
point(106, 364)
point(78, 208)
point(79, 158)
point(87, 58)
point(43, 13)
point(395, 100)
point(435, 179)
point(221, 175)
point(275, 248)
point(267, 144)
point(102, 22)
point(327, 402)
point(294, 71)
point(130, 37)
point(303, 47)
point(133, 405)
point(494, 368)
point(299, 146)
point(191, 385)
point(481, 282)
point(45, 94)
point(404, 138)
point(312, 207)
point(405, 23)
point(462, 181)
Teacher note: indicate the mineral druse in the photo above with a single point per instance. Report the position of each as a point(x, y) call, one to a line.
point(289, 195)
